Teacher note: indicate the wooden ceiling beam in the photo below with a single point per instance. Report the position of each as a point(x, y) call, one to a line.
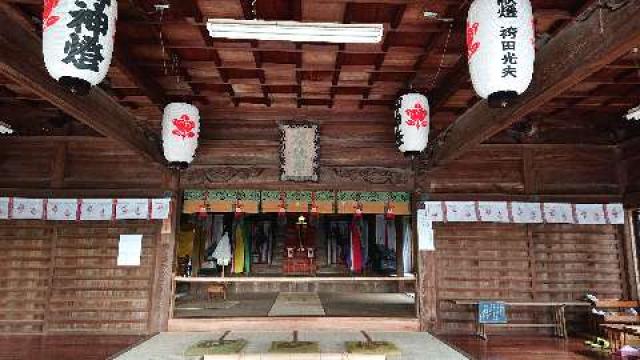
point(146, 83)
point(21, 60)
point(575, 53)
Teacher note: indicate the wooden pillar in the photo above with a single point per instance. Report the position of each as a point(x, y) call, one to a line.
point(426, 296)
point(161, 298)
point(630, 254)
point(400, 251)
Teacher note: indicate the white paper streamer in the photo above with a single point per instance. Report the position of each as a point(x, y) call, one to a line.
point(526, 213)
point(4, 208)
point(590, 214)
point(160, 208)
point(461, 211)
point(615, 214)
point(493, 211)
point(434, 210)
point(28, 209)
point(62, 209)
point(96, 209)
point(558, 213)
point(132, 209)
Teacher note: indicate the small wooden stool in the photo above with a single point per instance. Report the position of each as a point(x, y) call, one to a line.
point(217, 289)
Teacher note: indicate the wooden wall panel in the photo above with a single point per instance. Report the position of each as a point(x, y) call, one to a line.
point(524, 263)
point(25, 267)
point(26, 165)
point(70, 280)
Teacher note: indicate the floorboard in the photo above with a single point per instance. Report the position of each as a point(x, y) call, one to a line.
point(522, 347)
point(64, 347)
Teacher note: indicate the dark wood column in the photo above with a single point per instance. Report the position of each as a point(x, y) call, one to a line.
point(426, 297)
point(162, 294)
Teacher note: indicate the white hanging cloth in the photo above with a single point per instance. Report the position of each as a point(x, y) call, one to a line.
point(222, 254)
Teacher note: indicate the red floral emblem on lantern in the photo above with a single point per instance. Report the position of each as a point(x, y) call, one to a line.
point(472, 46)
point(47, 18)
point(184, 127)
point(417, 116)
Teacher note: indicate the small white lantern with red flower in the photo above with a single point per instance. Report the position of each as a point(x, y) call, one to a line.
point(180, 132)
point(77, 41)
point(500, 49)
point(412, 123)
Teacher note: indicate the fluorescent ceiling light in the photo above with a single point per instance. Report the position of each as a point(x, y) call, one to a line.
point(5, 128)
point(634, 114)
point(295, 31)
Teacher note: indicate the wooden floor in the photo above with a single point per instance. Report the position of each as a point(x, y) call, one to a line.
point(522, 348)
point(64, 347)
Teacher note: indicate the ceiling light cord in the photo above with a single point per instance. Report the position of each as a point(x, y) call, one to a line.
point(444, 54)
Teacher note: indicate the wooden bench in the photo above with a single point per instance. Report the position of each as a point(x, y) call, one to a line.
point(559, 324)
point(616, 314)
point(217, 289)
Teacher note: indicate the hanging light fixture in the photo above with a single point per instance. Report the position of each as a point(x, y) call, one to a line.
point(77, 41)
point(295, 31)
point(500, 49)
point(180, 132)
point(412, 123)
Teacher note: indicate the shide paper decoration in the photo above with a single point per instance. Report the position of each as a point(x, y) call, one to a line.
point(15, 208)
point(522, 212)
point(501, 49)
point(180, 132)
point(77, 41)
point(299, 147)
point(412, 123)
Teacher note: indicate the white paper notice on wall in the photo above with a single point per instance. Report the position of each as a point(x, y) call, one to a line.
point(62, 209)
point(615, 213)
point(425, 231)
point(131, 209)
point(493, 211)
point(590, 214)
point(464, 211)
point(4, 208)
point(129, 250)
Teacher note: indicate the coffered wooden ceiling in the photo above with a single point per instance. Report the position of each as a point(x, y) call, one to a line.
point(170, 56)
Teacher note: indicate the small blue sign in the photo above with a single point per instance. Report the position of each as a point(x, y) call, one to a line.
point(492, 312)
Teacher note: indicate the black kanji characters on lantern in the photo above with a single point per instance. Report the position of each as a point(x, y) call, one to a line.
point(509, 58)
point(507, 8)
point(85, 51)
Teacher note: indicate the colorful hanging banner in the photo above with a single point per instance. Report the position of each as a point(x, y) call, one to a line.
point(217, 200)
point(373, 202)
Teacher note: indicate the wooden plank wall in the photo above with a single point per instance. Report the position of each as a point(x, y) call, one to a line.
point(73, 162)
point(523, 263)
point(581, 172)
point(63, 277)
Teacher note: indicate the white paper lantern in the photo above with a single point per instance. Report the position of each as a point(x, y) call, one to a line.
point(77, 41)
point(180, 131)
point(501, 49)
point(412, 123)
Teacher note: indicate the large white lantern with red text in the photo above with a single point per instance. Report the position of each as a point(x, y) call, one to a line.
point(77, 41)
point(412, 123)
point(500, 48)
point(180, 132)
